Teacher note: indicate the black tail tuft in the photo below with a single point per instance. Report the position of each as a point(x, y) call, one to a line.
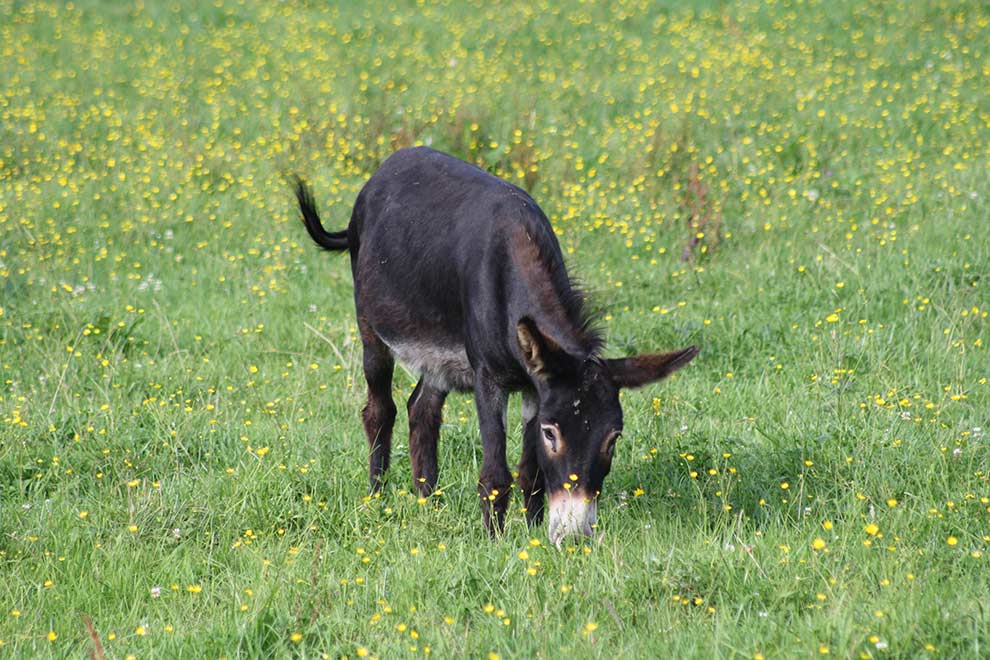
point(336, 240)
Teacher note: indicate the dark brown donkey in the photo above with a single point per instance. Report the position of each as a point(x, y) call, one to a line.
point(459, 275)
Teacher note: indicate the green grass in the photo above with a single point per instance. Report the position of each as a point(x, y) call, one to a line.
point(180, 379)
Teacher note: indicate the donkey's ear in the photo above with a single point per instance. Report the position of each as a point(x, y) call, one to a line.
point(542, 355)
point(643, 369)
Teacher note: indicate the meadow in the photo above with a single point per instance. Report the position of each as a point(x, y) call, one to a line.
point(798, 187)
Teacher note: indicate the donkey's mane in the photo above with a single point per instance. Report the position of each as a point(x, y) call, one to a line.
point(562, 300)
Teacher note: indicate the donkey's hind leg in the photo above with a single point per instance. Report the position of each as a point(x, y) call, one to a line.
point(379, 412)
point(425, 415)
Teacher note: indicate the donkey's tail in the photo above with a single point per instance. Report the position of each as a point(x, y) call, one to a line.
point(336, 240)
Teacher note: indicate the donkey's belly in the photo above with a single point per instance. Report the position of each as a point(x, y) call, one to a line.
point(445, 367)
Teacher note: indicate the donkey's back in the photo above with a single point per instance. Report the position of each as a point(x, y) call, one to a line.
point(431, 244)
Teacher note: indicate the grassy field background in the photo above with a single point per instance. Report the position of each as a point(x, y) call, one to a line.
point(182, 466)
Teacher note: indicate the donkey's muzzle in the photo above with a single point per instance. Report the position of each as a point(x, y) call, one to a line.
point(572, 513)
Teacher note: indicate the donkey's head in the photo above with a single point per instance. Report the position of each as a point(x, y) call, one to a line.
point(579, 420)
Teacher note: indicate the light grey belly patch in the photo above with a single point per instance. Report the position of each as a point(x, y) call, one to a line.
point(443, 367)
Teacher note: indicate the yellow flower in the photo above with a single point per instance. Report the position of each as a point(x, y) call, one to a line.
point(872, 529)
point(952, 540)
point(818, 544)
point(52, 635)
point(296, 637)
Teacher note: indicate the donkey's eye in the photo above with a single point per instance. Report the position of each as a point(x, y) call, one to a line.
point(550, 436)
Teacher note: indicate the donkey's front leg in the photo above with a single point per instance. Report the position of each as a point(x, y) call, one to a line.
point(495, 480)
point(530, 477)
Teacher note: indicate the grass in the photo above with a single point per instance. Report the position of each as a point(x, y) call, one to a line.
point(181, 456)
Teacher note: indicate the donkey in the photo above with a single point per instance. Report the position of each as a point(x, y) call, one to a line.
point(458, 274)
